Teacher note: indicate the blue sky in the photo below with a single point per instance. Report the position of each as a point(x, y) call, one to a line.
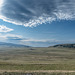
point(40, 24)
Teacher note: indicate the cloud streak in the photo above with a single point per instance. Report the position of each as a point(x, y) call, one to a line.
point(35, 12)
point(44, 42)
point(6, 36)
point(10, 37)
point(14, 38)
point(5, 29)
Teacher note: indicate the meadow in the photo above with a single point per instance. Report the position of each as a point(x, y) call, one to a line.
point(38, 60)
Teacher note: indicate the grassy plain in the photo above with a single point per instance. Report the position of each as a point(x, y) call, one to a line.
point(38, 59)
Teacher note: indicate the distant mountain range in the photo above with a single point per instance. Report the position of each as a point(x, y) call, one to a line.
point(3, 44)
point(65, 45)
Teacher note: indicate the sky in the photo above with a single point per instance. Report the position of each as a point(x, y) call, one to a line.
point(37, 23)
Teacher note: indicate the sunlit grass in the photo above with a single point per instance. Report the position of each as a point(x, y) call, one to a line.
point(37, 59)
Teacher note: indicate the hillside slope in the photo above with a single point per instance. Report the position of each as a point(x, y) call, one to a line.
point(65, 45)
point(3, 44)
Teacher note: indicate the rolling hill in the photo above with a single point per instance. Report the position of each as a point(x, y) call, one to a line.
point(3, 44)
point(65, 45)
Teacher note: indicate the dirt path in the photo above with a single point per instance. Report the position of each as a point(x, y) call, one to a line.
point(43, 71)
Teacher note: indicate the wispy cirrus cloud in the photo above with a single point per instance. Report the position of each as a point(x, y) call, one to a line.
point(6, 37)
point(35, 12)
point(44, 42)
point(14, 38)
point(5, 29)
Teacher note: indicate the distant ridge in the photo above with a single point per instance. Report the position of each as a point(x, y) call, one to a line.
point(3, 44)
point(65, 45)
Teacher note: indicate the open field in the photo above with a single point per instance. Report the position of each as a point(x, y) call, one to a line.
point(37, 55)
point(38, 59)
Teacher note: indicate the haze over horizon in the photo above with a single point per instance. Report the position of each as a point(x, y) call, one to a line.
point(37, 23)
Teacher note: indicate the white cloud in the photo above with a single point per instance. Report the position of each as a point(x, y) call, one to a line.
point(40, 20)
point(32, 13)
point(37, 40)
point(44, 42)
point(5, 37)
point(18, 39)
point(1, 2)
point(5, 29)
